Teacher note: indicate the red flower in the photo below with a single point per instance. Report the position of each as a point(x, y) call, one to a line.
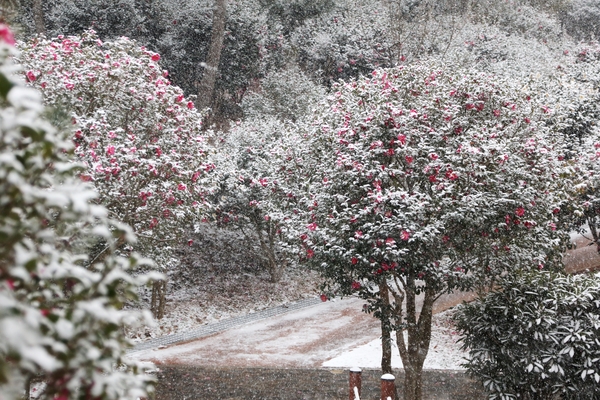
point(355, 285)
point(110, 150)
point(520, 212)
point(181, 186)
point(31, 76)
point(312, 227)
point(556, 210)
point(324, 298)
point(405, 235)
point(155, 57)
point(158, 152)
point(190, 105)
point(409, 159)
point(153, 223)
point(401, 139)
point(354, 260)
point(6, 35)
point(190, 242)
point(310, 253)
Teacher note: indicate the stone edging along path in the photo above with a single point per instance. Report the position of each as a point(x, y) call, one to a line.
point(221, 326)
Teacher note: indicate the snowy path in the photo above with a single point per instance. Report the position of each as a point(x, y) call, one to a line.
point(331, 334)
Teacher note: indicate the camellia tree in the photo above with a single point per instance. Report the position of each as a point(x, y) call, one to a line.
point(61, 314)
point(138, 136)
point(419, 181)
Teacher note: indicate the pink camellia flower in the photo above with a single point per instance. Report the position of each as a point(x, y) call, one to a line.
point(158, 152)
point(358, 234)
point(556, 210)
point(190, 105)
point(433, 156)
point(520, 212)
point(552, 226)
point(110, 150)
point(6, 35)
point(355, 285)
point(409, 159)
point(312, 227)
point(354, 260)
point(31, 76)
point(405, 235)
point(390, 241)
point(153, 223)
point(190, 242)
point(155, 57)
point(324, 298)
point(179, 99)
point(310, 253)
point(181, 186)
point(402, 139)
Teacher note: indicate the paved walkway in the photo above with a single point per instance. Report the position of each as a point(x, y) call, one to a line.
point(224, 325)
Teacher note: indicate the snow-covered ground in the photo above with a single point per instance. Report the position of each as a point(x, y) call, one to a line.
point(444, 350)
point(334, 334)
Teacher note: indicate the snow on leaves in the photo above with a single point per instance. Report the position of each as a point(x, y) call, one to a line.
point(447, 176)
point(60, 312)
point(138, 136)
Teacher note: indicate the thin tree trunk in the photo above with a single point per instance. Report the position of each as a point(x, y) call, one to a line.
point(158, 301)
point(38, 17)
point(413, 351)
point(206, 87)
point(386, 332)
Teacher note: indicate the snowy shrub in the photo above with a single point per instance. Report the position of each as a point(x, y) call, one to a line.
point(350, 40)
point(60, 311)
point(138, 136)
point(248, 199)
point(286, 95)
point(536, 337)
point(424, 179)
point(582, 19)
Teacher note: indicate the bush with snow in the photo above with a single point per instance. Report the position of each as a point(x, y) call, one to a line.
point(60, 312)
point(535, 337)
point(138, 136)
point(424, 179)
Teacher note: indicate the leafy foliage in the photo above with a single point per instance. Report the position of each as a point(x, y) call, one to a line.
point(60, 312)
point(138, 136)
point(536, 336)
point(424, 179)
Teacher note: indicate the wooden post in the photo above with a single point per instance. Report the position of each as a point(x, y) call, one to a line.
point(355, 382)
point(388, 388)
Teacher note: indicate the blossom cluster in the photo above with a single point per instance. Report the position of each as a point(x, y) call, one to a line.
point(61, 313)
point(138, 136)
point(423, 173)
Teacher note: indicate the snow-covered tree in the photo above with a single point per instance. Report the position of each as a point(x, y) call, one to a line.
point(422, 180)
point(60, 311)
point(535, 337)
point(581, 19)
point(138, 136)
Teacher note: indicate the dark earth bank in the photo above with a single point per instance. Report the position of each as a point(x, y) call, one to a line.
point(201, 383)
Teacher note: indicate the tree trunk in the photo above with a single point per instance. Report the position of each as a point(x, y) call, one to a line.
point(386, 331)
point(157, 303)
point(206, 87)
point(414, 349)
point(38, 17)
